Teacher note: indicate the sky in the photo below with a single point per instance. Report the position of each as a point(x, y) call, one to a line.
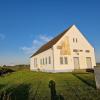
point(27, 24)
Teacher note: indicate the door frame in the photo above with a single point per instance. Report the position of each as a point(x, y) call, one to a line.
point(78, 63)
point(90, 63)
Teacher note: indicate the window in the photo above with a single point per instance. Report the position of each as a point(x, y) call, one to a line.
point(40, 61)
point(35, 62)
point(76, 40)
point(45, 60)
point(49, 60)
point(73, 40)
point(65, 58)
point(87, 51)
point(81, 50)
point(75, 50)
point(61, 60)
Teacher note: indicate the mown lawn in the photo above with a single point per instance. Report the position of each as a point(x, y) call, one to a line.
point(26, 85)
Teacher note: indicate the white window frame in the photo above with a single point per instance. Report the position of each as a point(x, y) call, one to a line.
point(73, 40)
point(65, 60)
point(61, 60)
point(35, 62)
point(40, 61)
point(76, 40)
point(49, 60)
point(43, 61)
point(46, 60)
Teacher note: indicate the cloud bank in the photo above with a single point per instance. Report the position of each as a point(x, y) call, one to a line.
point(36, 43)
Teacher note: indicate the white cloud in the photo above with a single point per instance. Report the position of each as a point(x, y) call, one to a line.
point(35, 44)
point(2, 36)
point(27, 49)
point(45, 38)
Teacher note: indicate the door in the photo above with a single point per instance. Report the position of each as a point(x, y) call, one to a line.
point(76, 63)
point(88, 61)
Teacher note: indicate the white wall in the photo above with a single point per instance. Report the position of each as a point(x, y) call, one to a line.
point(45, 67)
point(62, 67)
point(82, 44)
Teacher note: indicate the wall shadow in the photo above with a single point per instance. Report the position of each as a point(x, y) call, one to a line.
point(54, 96)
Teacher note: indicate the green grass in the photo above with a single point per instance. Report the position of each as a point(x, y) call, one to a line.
point(26, 85)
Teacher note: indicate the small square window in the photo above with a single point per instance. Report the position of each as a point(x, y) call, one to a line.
point(87, 51)
point(75, 50)
point(81, 50)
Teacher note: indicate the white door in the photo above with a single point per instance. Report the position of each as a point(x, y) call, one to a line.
point(88, 61)
point(76, 63)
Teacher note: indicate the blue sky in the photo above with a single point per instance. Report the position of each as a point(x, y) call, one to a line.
point(27, 24)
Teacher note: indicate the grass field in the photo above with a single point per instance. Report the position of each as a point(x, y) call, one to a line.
point(26, 85)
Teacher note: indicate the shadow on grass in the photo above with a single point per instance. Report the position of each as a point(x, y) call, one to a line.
point(36, 92)
point(2, 86)
point(20, 92)
point(54, 96)
point(85, 81)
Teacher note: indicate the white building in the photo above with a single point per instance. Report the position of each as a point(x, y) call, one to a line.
point(66, 52)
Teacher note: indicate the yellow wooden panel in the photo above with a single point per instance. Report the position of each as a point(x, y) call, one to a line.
point(65, 50)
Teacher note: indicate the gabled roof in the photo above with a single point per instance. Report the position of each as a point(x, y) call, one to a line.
point(49, 44)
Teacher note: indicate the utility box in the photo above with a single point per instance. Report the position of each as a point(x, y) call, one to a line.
point(97, 76)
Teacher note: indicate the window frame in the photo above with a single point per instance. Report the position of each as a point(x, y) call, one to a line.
point(46, 60)
point(40, 61)
point(76, 40)
point(35, 62)
point(49, 60)
point(73, 40)
point(61, 61)
point(87, 51)
point(43, 61)
point(75, 50)
point(65, 60)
